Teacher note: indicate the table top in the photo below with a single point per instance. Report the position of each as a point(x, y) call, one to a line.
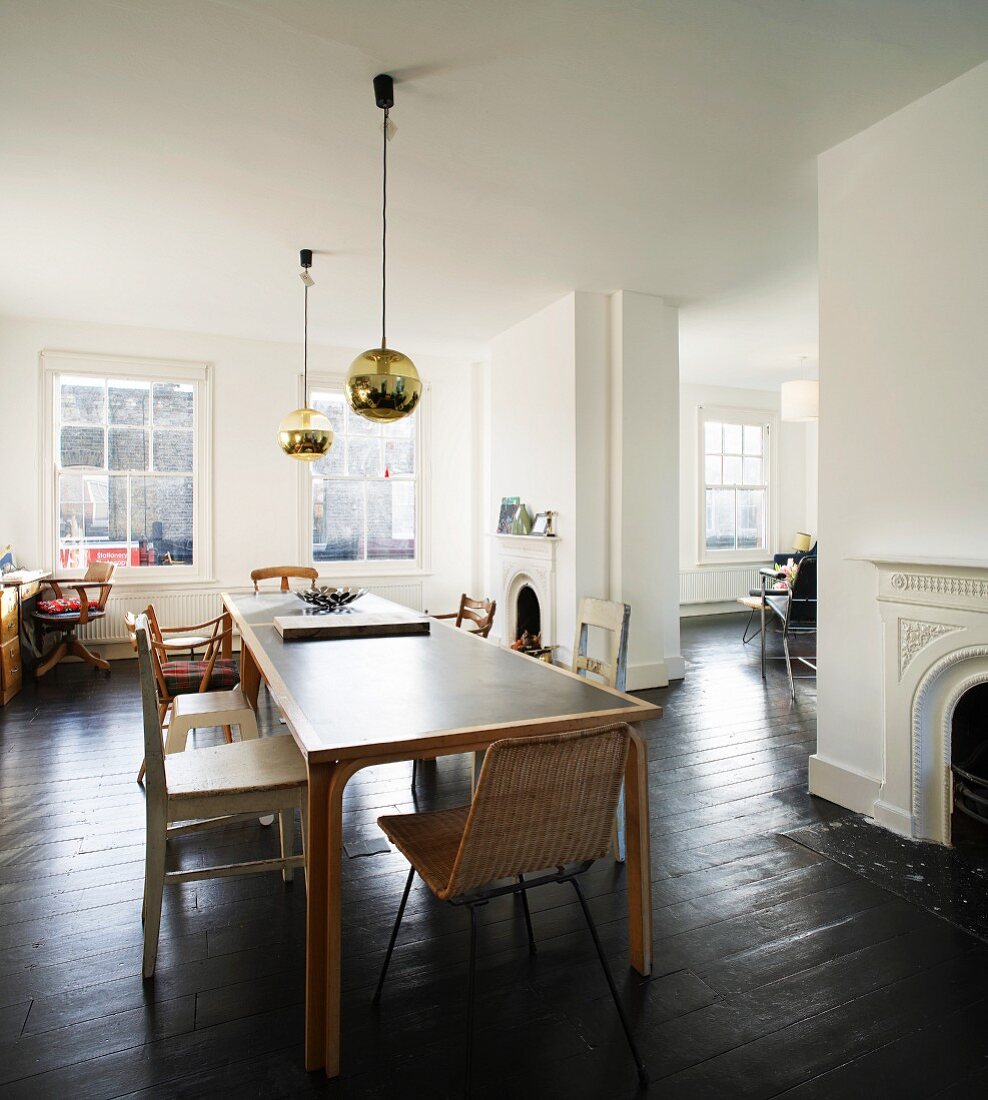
point(364, 697)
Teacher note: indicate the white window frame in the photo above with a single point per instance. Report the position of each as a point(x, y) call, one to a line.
point(57, 363)
point(421, 564)
point(768, 421)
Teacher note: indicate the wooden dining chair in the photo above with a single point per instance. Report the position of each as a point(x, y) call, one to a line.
point(613, 619)
point(208, 787)
point(540, 802)
point(61, 614)
point(305, 572)
point(215, 671)
point(477, 615)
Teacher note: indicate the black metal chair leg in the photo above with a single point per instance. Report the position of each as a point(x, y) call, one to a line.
point(471, 989)
point(415, 771)
point(792, 682)
point(394, 935)
point(532, 949)
point(642, 1071)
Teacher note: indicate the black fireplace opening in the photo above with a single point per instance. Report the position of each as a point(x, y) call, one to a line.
point(969, 764)
point(528, 615)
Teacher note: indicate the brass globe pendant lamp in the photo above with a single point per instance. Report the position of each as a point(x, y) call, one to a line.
point(305, 434)
point(383, 384)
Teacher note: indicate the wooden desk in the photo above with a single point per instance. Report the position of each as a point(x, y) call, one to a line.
point(356, 702)
point(15, 591)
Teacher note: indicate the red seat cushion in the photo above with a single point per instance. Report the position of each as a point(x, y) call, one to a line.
point(63, 606)
point(184, 677)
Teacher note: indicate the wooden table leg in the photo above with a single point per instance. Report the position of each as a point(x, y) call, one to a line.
point(316, 896)
point(333, 941)
point(639, 866)
point(250, 675)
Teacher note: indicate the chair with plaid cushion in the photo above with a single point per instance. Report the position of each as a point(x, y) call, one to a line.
point(216, 672)
point(61, 614)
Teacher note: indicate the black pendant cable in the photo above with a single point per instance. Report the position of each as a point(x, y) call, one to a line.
point(382, 384)
point(305, 434)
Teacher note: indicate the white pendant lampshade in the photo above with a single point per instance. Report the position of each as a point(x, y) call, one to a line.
point(801, 400)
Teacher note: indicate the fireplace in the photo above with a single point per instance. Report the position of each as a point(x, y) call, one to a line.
point(935, 669)
point(969, 767)
point(527, 565)
point(528, 615)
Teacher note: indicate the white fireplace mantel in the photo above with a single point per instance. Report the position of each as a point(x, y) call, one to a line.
point(935, 621)
point(531, 560)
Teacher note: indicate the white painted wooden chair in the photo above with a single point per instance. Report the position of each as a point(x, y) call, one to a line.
point(614, 620)
point(212, 786)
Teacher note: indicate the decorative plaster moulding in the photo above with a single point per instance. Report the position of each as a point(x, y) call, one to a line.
point(531, 560)
point(935, 620)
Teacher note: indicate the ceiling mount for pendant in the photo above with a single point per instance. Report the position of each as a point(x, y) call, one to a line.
point(305, 434)
point(383, 384)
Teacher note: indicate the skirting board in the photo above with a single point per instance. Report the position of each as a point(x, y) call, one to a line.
point(843, 785)
point(655, 674)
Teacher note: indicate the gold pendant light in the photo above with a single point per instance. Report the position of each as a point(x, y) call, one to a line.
point(383, 384)
point(305, 434)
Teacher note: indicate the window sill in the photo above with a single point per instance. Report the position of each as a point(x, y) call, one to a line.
point(359, 570)
point(741, 563)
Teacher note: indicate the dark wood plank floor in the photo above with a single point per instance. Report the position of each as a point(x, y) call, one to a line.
point(777, 971)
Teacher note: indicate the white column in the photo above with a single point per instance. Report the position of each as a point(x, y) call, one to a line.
point(644, 498)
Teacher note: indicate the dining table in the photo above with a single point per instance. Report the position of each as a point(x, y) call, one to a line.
point(354, 702)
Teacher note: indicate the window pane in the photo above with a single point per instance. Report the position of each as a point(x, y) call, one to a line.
point(712, 438)
point(129, 402)
point(751, 519)
point(732, 470)
point(752, 439)
point(173, 405)
point(173, 451)
point(331, 404)
point(399, 456)
point(82, 400)
point(358, 425)
point(390, 520)
point(400, 429)
point(128, 449)
point(363, 457)
point(753, 471)
point(332, 461)
point(732, 439)
point(161, 515)
point(720, 519)
point(82, 447)
point(96, 510)
point(711, 469)
point(338, 521)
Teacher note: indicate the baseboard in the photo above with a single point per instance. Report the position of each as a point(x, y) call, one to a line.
point(893, 818)
point(645, 676)
point(692, 610)
point(844, 786)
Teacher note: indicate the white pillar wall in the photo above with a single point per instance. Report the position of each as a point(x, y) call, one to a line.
point(644, 529)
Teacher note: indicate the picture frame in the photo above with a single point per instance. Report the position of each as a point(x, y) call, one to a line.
point(506, 516)
point(540, 525)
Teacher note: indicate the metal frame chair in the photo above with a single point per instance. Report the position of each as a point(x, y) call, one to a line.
point(796, 610)
point(540, 802)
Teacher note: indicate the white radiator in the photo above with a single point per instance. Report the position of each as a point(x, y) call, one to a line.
point(717, 585)
point(184, 608)
point(172, 608)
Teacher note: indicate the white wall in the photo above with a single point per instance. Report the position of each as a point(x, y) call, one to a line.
point(903, 389)
point(255, 513)
point(796, 466)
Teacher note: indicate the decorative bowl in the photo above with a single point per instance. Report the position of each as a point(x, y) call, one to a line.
point(327, 599)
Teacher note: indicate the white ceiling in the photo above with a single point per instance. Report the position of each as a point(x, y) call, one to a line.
point(164, 160)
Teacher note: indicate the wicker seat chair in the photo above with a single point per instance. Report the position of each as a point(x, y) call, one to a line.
point(540, 802)
point(305, 572)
